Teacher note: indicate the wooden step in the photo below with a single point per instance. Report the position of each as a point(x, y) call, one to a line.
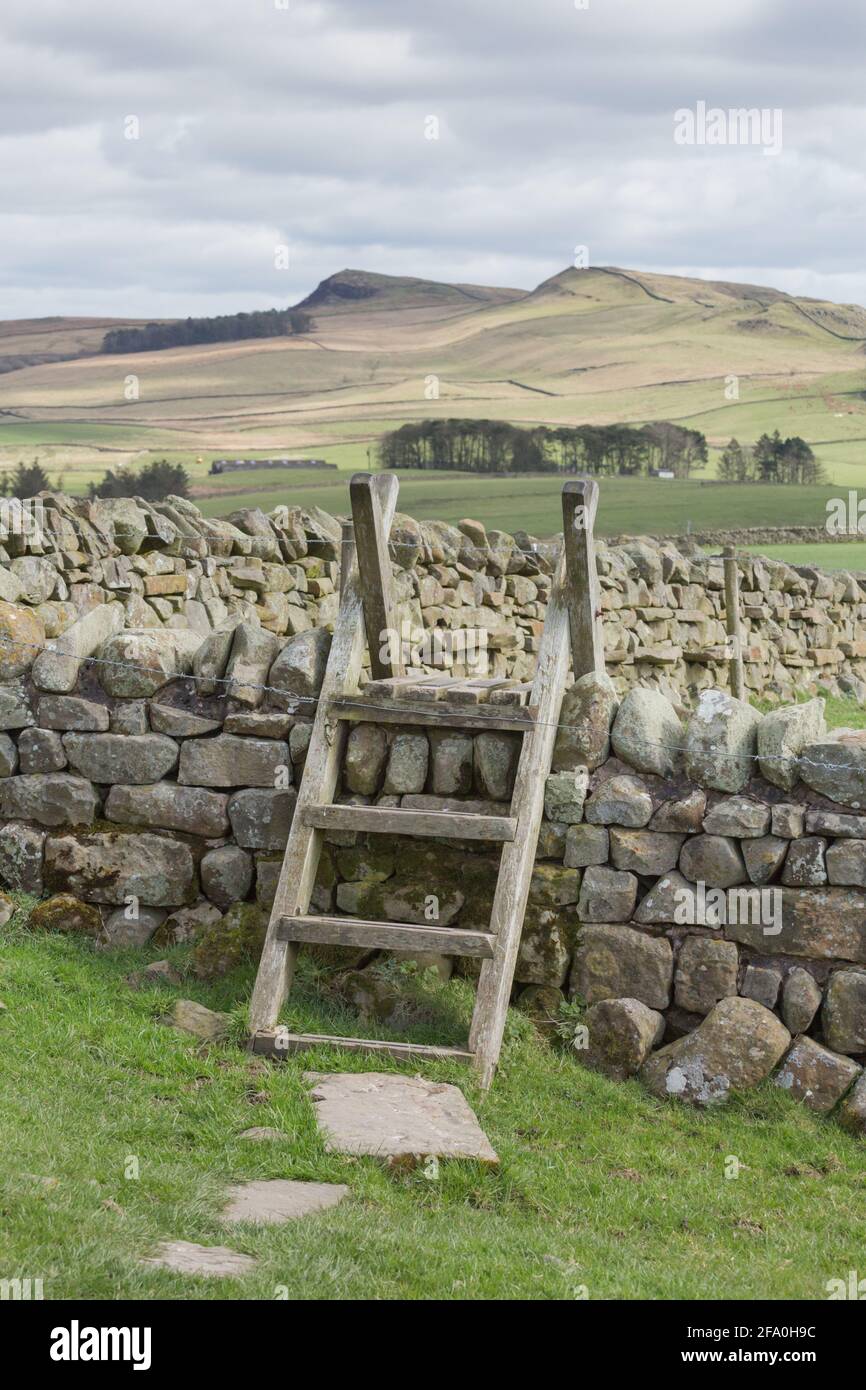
point(386, 936)
point(393, 820)
point(437, 714)
point(279, 1042)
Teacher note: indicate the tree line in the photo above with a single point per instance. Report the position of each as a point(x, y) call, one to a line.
point(771, 460)
point(494, 446)
point(262, 323)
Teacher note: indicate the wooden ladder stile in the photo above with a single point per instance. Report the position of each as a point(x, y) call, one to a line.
point(368, 613)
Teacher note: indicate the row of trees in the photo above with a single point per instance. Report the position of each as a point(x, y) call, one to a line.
point(154, 481)
point(223, 328)
point(25, 480)
point(771, 460)
point(494, 446)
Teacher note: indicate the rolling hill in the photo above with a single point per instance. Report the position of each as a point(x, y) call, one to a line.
point(595, 345)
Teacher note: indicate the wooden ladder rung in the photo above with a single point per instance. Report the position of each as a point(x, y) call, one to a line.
point(386, 936)
point(390, 820)
point(439, 714)
point(278, 1042)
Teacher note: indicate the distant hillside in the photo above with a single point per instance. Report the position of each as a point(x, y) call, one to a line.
point(601, 346)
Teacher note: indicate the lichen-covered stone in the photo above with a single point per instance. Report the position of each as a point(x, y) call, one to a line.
point(226, 875)
point(816, 1075)
point(66, 912)
point(736, 1047)
point(836, 767)
point(713, 860)
point(261, 819)
point(111, 758)
point(107, 868)
point(782, 736)
point(621, 1033)
point(204, 1023)
point(586, 844)
point(299, 669)
point(167, 806)
point(235, 939)
point(801, 1000)
point(846, 863)
point(706, 972)
point(587, 711)
point(365, 757)
point(230, 761)
point(617, 962)
point(496, 756)
point(647, 733)
point(645, 852)
point(72, 713)
point(406, 771)
point(565, 795)
point(620, 801)
point(738, 816)
point(21, 850)
point(40, 750)
point(451, 763)
point(804, 863)
point(22, 636)
point(56, 799)
point(681, 814)
point(822, 923)
point(762, 982)
point(545, 947)
point(843, 1017)
point(721, 741)
point(764, 857)
point(606, 895)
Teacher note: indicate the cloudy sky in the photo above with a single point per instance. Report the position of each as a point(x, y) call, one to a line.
point(306, 124)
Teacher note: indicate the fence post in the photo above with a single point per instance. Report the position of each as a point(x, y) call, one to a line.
point(579, 506)
point(370, 493)
point(732, 622)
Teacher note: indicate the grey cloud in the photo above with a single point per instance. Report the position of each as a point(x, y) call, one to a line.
point(260, 125)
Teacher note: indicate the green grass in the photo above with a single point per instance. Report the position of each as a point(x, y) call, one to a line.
point(845, 555)
point(627, 505)
point(600, 1187)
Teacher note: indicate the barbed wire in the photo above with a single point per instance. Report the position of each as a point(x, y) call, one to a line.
point(473, 712)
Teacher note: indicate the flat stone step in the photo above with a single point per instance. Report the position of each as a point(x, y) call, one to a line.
point(271, 1201)
point(216, 1261)
point(396, 1117)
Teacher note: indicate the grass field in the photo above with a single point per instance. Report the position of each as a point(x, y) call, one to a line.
point(601, 1191)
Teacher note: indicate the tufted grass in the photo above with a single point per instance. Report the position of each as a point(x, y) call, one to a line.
point(601, 1191)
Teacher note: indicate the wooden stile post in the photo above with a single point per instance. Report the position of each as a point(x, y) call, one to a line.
point(579, 507)
point(732, 622)
point(367, 492)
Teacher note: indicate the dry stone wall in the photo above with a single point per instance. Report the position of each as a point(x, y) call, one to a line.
point(158, 675)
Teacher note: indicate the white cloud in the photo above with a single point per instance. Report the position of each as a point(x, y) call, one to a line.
point(261, 125)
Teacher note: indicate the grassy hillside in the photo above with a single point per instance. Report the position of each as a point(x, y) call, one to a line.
point(595, 345)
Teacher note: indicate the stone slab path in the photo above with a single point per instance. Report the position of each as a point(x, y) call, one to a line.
point(274, 1200)
point(396, 1117)
point(185, 1257)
